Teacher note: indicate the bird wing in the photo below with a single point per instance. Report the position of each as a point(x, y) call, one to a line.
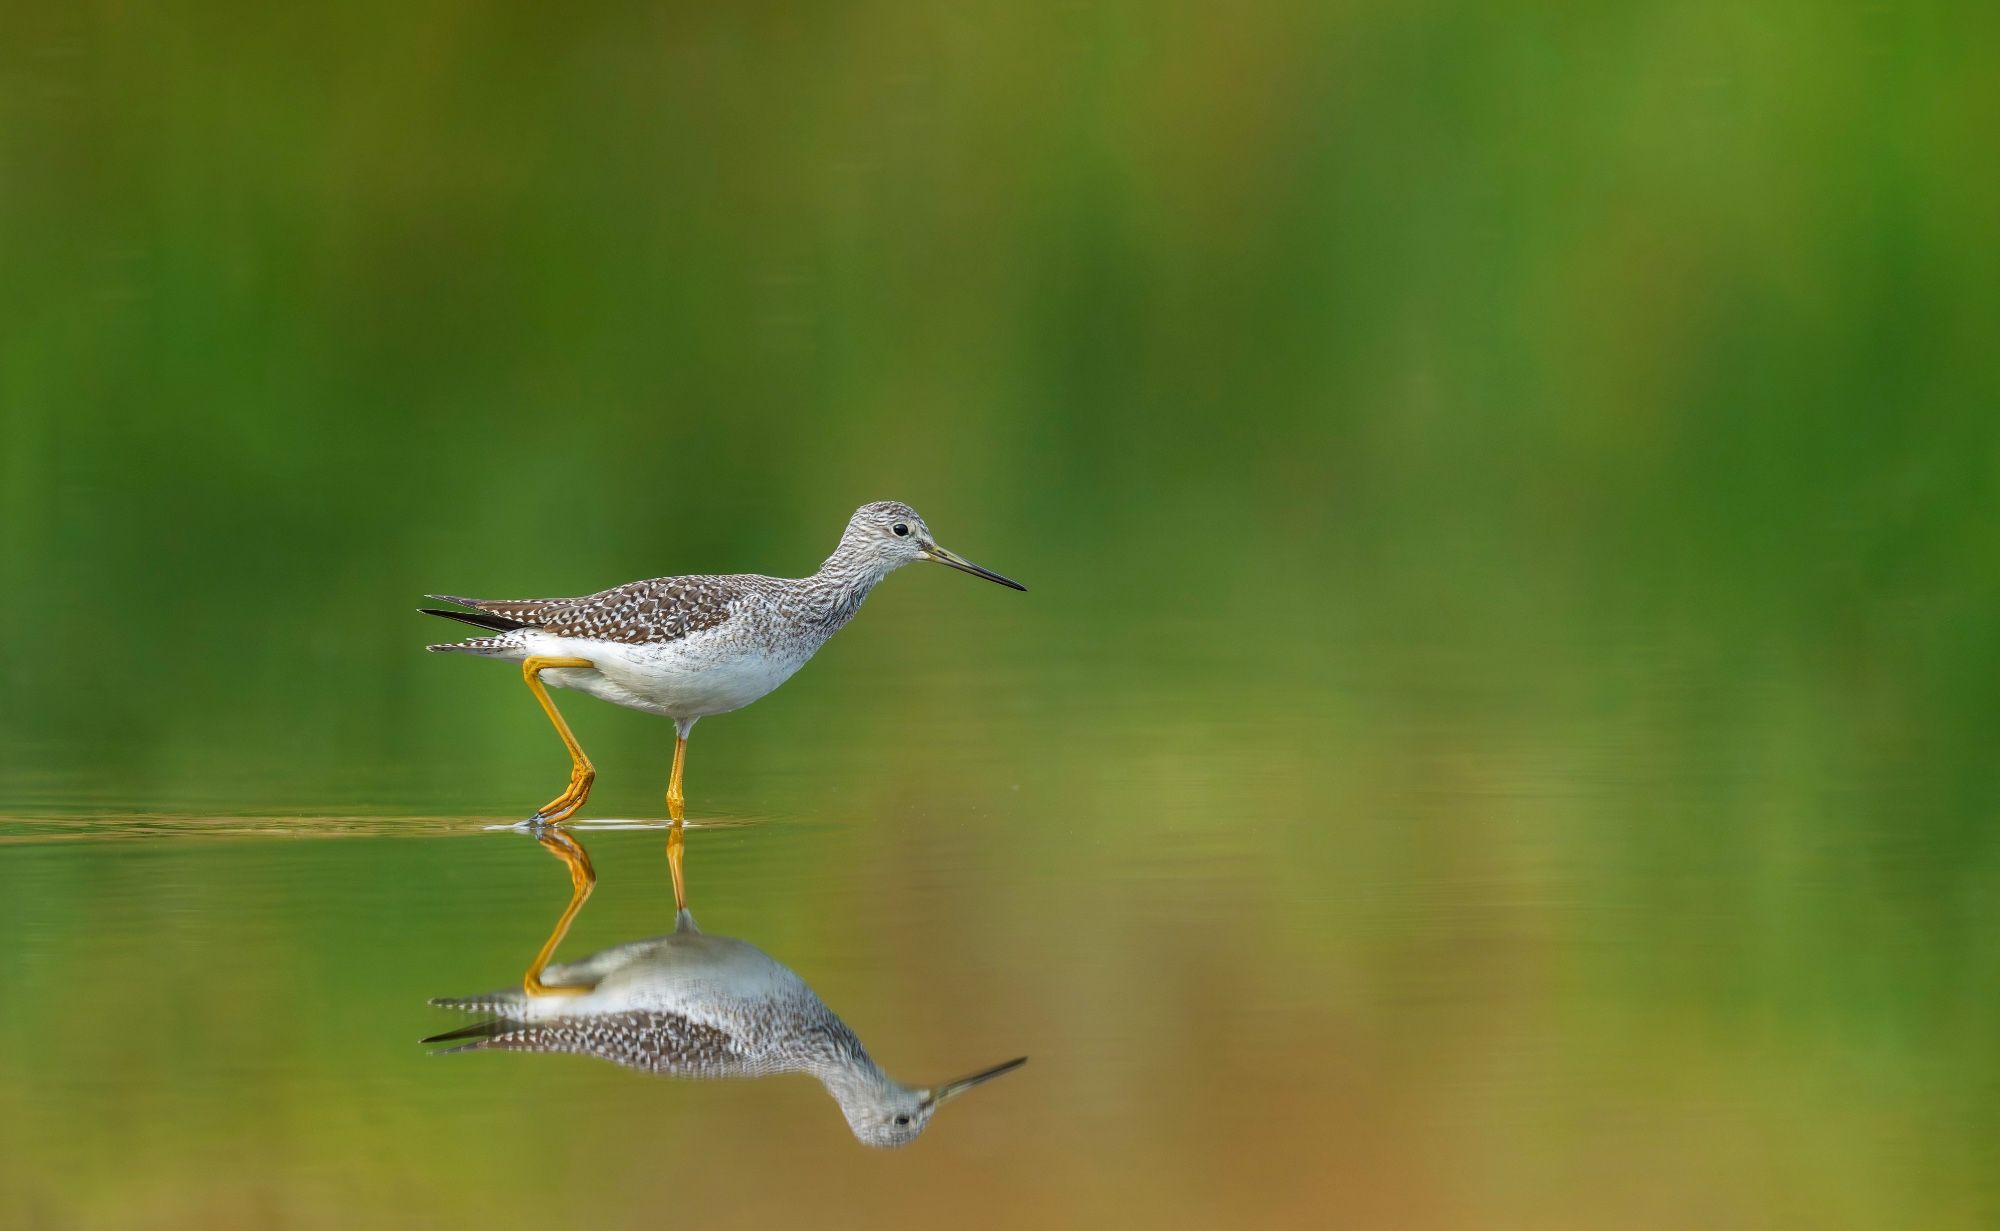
point(656, 610)
point(650, 1041)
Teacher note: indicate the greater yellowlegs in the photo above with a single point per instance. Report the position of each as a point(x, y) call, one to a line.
point(688, 647)
point(691, 1004)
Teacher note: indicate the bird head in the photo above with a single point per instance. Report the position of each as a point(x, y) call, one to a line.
point(891, 534)
point(892, 1114)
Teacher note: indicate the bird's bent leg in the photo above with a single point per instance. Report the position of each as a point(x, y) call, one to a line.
point(676, 801)
point(582, 879)
point(581, 772)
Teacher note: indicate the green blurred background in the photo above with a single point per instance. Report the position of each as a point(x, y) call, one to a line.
point(1514, 475)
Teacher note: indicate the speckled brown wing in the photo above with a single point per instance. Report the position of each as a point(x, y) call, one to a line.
point(651, 1042)
point(636, 613)
point(643, 612)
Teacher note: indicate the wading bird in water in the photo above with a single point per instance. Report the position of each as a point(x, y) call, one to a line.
point(688, 647)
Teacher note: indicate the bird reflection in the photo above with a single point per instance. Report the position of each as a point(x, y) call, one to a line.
point(691, 1004)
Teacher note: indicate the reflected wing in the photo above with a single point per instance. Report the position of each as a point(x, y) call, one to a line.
point(651, 1042)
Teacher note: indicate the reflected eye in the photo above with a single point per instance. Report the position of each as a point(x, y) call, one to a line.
point(902, 1120)
point(902, 529)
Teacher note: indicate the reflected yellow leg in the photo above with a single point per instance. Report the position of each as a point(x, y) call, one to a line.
point(582, 879)
point(675, 799)
point(676, 841)
point(581, 772)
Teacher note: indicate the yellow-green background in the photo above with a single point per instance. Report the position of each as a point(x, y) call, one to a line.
point(1501, 732)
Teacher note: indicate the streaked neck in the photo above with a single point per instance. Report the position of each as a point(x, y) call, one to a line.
point(846, 578)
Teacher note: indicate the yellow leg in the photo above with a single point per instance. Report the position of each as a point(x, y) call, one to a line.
point(582, 879)
point(676, 841)
point(676, 801)
point(581, 772)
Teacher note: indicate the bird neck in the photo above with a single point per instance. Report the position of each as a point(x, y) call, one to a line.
point(854, 563)
point(858, 1084)
point(837, 1058)
point(845, 579)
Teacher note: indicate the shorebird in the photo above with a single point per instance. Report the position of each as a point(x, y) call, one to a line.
point(688, 647)
point(691, 1004)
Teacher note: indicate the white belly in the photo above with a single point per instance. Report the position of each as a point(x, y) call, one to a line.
point(705, 978)
point(690, 678)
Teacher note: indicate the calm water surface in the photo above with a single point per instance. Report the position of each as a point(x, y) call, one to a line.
point(1487, 960)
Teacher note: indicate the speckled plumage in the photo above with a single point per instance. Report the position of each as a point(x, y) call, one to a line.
point(687, 1005)
point(688, 647)
point(694, 1005)
point(651, 1042)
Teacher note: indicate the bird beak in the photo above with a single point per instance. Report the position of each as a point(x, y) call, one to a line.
point(934, 552)
point(952, 1089)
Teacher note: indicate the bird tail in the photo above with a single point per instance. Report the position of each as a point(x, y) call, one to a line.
point(492, 647)
point(501, 1001)
point(490, 621)
point(476, 1033)
point(478, 619)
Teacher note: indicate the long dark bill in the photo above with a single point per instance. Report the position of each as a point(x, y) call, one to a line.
point(952, 1089)
point(964, 565)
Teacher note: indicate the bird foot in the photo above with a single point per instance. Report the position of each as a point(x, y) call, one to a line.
point(565, 805)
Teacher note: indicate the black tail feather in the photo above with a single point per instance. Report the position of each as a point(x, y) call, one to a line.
point(477, 1030)
point(478, 619)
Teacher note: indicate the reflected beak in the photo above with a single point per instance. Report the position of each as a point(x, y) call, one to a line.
point(963, 565)
point(952, 1089)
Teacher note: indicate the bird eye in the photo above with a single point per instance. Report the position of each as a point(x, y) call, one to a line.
point(903, 1119)
point(902, 529)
